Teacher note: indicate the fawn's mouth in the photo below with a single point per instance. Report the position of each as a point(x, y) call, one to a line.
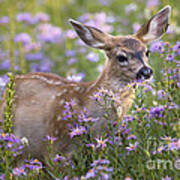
point(144, 73)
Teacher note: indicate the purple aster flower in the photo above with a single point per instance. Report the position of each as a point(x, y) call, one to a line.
point(92, 57)
point(152, 4)
point(159, 150)
point(176, 48)
point(104, 176)
point(3, 81)
point(70, 53)
point(35, 56)
point(100, 162)
point(105, 2)
point(101, 143)
point(19, 171)
point(157, 111)
point(25, 17)
point(136, 27)
point(91, 145)
point(23, 38)
point(4, 20)
point(32, 46)
point(49, 33)
point(161, 94)
point(104, 168)
point(5, 64)
point(132, 147)
point(59, 158)
point(50, 139)
point(166, 178)
point(91, 173)
point(131, 136)
point(34, 165)
point(157, 46)
point(130, 8)
point(170, 57)
point(71, 61)
point(79, 130)
point(71, 34)
point(2, 177)
point(41, 17)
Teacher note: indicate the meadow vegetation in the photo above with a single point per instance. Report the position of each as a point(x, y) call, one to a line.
point(36, 36)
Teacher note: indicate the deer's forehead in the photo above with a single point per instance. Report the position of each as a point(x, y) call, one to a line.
point(130, 44)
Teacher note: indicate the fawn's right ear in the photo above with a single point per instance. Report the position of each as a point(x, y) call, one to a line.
point(90, 35)
point(156, 26)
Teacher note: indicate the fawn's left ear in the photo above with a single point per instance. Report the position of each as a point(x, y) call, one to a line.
point(91, 35)
point(156, 26)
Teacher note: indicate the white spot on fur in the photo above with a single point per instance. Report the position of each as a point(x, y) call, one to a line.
point(41, 78)
point(56, 132)
point(61, 102)
point(59, 118)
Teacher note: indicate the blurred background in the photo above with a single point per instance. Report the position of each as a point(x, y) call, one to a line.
point(36, 36)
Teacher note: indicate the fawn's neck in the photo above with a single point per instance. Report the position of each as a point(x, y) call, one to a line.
point(107, 81)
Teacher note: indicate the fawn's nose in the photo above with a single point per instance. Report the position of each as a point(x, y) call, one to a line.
point(144, 73)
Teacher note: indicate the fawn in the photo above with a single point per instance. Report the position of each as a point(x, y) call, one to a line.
point(39, 97)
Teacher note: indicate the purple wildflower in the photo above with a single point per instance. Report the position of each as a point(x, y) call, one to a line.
point(72, 61)
point(3, 81)
point(161, 94)
point(19, 171)
point(49, 33)
point(91, 173)
point(25, 17)
point(4, 20)
point(101, 143)
point(79, 130)
point(50, 139)
point(35, 56)
point(71, 34)
point(130, 8)
point(34, 165)
point(132, 147)
point(70, 53)
point(157, 111)
point(23, 38)
point(157, 46)
point(152, 4)
point(92, 57)
point(170, 57)
point(176, 48)
point(136, 27)
point(41, 17)
point(5, 64)
point(100, 162)
point(166, 178)
point(59, 158)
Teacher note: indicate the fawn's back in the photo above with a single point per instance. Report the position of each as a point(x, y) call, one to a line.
point(40, 97)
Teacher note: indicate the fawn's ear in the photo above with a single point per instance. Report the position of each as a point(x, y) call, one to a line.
point(156, 26)
point(90, 35)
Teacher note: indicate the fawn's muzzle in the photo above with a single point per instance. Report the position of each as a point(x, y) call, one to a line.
point(144, 73)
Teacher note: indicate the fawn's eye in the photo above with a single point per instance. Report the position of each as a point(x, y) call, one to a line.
point(122, 60)
point(148, 53)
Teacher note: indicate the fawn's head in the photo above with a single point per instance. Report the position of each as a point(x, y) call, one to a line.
point(127, 55)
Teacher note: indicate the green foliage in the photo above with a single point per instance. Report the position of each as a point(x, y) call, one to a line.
point(7, 126)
